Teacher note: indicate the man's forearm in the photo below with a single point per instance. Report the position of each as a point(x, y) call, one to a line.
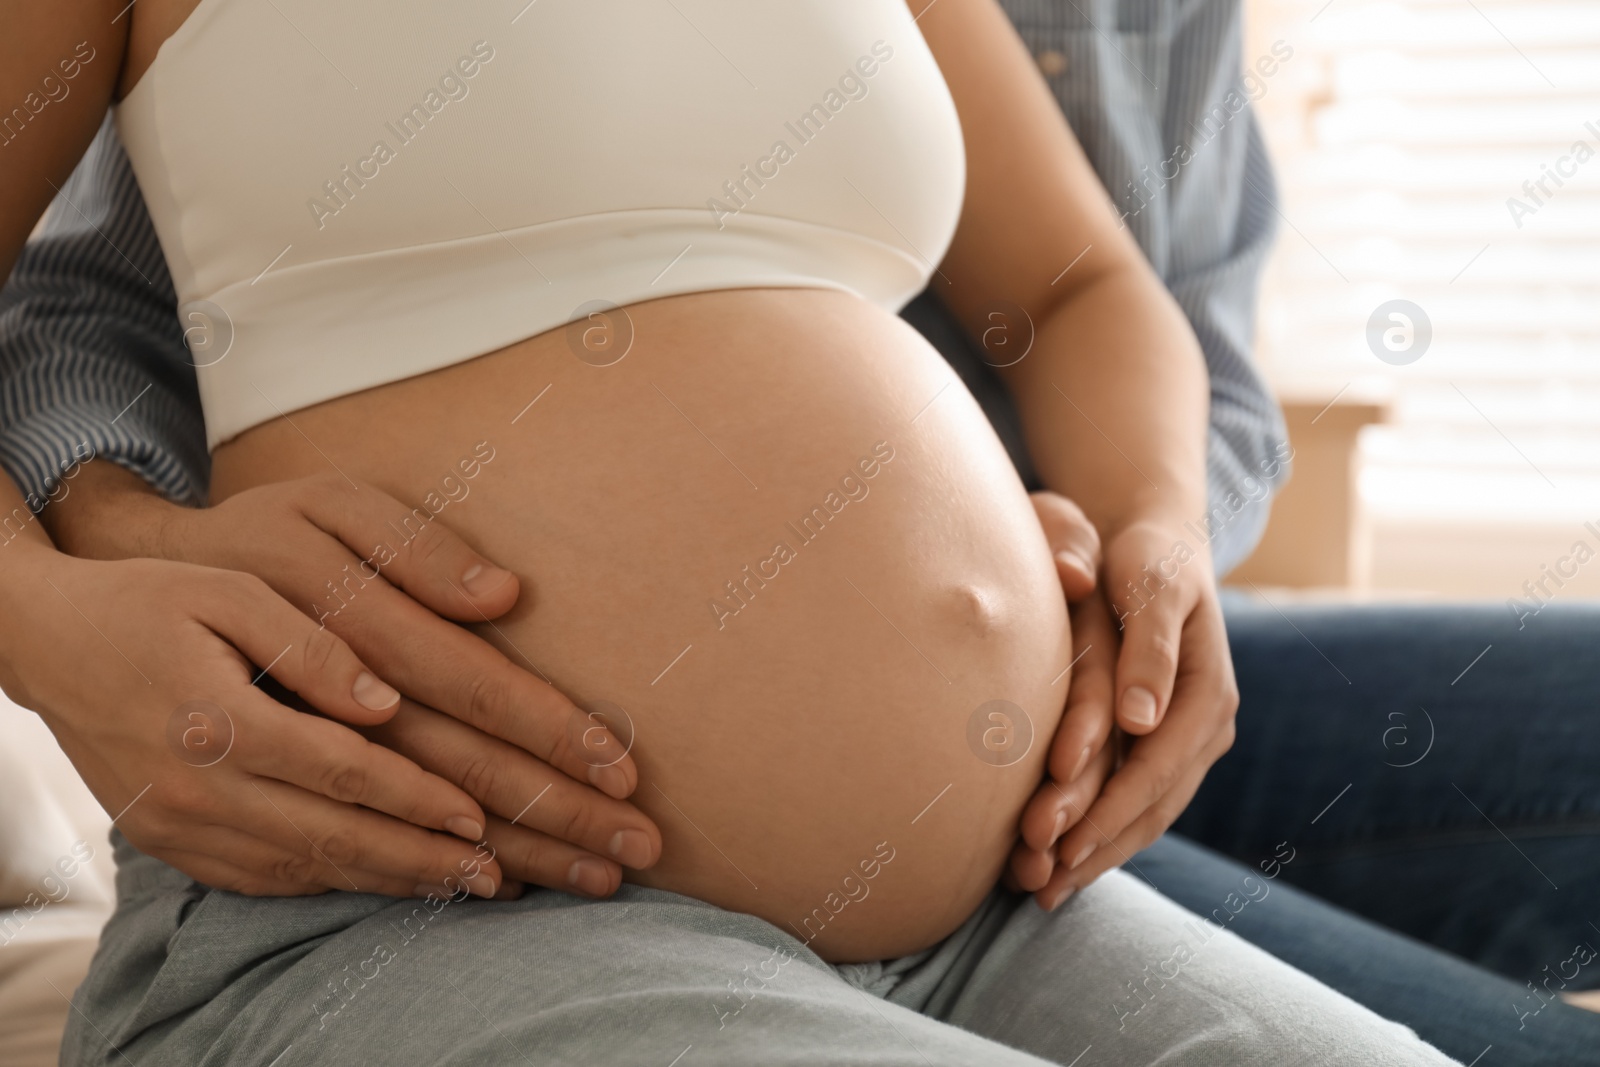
point(110, 513)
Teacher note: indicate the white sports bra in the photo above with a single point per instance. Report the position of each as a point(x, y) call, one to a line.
point(350, 194)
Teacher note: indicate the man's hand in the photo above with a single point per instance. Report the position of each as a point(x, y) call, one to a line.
point(1173, 685)
point(501, 734)
point(143, 670)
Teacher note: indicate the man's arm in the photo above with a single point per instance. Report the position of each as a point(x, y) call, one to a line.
point(93, 368)
point(92, 360)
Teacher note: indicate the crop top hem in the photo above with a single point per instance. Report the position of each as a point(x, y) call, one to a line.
point(368, 320)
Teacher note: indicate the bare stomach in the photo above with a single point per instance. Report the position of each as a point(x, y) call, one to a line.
point(806, 584)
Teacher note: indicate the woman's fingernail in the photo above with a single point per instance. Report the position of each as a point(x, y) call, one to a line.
point(588, 875)
point(610, 780)
point(464, 827)
point(481, 885)
point(1083, 761)
point(1061, 824)
point(1078, 860)
point(481, 580)
point(509, 891)
point(373, 694)
point(1061, 898)
point(631, 848)
point(1139, 706)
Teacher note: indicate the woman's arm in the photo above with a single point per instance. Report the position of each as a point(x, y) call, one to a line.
point(142, 670)
point(58, 68)
point(1114, 402)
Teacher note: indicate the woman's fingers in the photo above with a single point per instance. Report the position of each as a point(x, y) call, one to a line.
point(336, 549)
point(328, 759)
point(540, 859)
point(1074, 542)
point(1148, 664)
point(408, 548)
point(510, 783)
point(349, 839)
point(1154, 597)
point(217, 872)
point(298, 653)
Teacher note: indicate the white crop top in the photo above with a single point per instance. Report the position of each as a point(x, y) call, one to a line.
point(354, 193)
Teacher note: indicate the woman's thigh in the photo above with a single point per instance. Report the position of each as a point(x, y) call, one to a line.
point(1122, 975)
point(192, 976)
point(1408, 752)
point(197, 977)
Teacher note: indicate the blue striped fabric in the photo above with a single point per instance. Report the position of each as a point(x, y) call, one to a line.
point(91, 353)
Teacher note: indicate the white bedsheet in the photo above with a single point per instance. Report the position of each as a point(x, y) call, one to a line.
point(52, 902)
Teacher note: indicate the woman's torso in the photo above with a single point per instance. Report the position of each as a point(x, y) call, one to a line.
point(754, 518)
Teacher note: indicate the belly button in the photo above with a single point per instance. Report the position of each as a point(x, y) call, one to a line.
point(976, 608)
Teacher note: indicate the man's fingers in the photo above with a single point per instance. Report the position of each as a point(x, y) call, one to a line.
point(1065, 880)
point(348, 838)
point(543, 860)
point(1059, 806)
point(331, 760)
point(1088, 719)
point(409, 548)
point(1073, 540)
point(1154, 766)
point(448, 668)
point(510, 783)
point(306, 658)
point(1029, 869)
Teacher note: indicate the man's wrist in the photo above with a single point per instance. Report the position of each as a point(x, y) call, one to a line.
point(111, 513)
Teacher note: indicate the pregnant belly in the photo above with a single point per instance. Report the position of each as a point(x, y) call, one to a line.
point(781, 536)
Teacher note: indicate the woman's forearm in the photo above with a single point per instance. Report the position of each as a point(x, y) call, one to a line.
point(1114, 402)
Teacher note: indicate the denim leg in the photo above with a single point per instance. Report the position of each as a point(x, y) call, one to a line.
point(1459, 1008)
point(1434, 767)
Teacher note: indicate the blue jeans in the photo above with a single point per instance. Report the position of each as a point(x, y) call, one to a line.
point(1438, 809)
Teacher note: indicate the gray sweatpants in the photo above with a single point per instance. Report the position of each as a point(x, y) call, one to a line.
point(186, 975)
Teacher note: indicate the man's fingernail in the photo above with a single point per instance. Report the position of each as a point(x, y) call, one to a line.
point(1083, 761)
point(631, 848)
point(610, 780)
point(481, 580)
point(1073, 561)
point(373, 694)
point(588, 875)
point(1139, 706)
point(1078, 860)
point(464, 827)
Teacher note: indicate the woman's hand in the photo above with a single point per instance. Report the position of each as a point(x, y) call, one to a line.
point(143, 671)
point(1173, 685)
point(500, 734)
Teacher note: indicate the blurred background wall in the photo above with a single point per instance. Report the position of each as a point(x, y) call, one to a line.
point(1443, 153)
